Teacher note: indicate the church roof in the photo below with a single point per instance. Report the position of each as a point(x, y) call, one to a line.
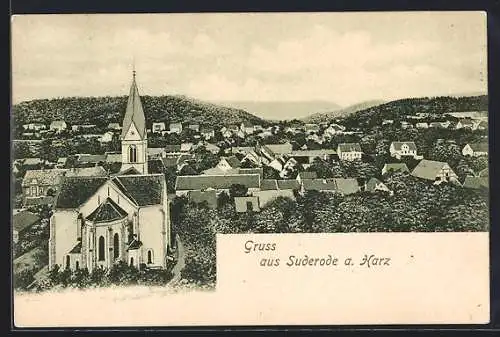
point(134, 112)
point(107, 211)
point(142, 189)
point(77, 249)
point(75, 191)
point(135, 244)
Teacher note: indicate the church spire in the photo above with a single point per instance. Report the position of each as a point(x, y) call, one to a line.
point(134, 114)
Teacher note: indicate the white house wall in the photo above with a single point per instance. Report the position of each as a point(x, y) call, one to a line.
point(151, 226)
point(65, 227)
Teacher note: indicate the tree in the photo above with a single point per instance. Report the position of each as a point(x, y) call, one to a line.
point(238, 190)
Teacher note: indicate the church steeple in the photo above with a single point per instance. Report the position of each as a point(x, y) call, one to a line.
point(134, 135)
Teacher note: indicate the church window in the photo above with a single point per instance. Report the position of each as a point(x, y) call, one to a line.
point(132, 154)
point(68, 262)
point(77, 265)
point(150, 256)
point(131, 261)
point(101, 249)
point(116, 246)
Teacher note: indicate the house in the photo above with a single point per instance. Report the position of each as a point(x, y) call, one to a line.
point(405, 125)
point(475, 149)
point(170, 149)
point(387, 121)
point(98, 221)
point(246, 204)
point(106, 137)
point(476, 182)
point(96, 171)
point(114, 126)
point(315, 138)
point(207, 132)
point(41, 183)
point(194, 127)
point(212, 148)
point(58, 126)
point(156, 152)
point(253, 158)
point(436, 125)
point(247, 128)
point(158, 127)
point(242, 149)
point(311, 128)
point(200, 197)
point(301, 176)
point(228, 163)
point(308, 156)
point(113, 158)
point(277, 163)
point(465, 124)
point(347, 186)
point(271, 189)
point(186, 147)
point(227, 133)
point(175, 128)
point(394, 167)
point(320, 185)
point(21, 222)
point(422, 125)
point(34, 126)
point(435, 171)
point(265, 134)
point(90, 158)
point(30, 163)
point(349, 151)
point(61, 162)
point(333, 129)
point(376, 185)
point(184, 184)
point(445, 124)
point(403, 149)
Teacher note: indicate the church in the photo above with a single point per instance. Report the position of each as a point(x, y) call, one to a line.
point(100, 220)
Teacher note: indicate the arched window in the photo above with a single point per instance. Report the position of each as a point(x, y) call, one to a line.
point(68, 262)
point(131, 261)
point(101, 249)
point(77, 265)
point(132, 154)
point(116, 246)
point(150, 256)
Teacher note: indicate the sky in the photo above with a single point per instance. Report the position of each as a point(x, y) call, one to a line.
point(345, 58)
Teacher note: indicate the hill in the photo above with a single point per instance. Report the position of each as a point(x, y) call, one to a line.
point(104, 110)
point(282, 110)
point(399, 109)
point(322, 117)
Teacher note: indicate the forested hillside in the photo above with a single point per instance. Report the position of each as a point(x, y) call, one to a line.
point(399, 109)
point(104, 110)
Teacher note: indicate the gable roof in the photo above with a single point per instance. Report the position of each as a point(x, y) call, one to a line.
point(285, 148)
point(91, 158)
point(349, 147)
point(268, 184)
point(96, 171)
point(49, 177)
point(75, 191)
point(203, 182)
point(144, 190)
point(233, 161)
point(428, 169)
point(319, 184)
point(476, 182)
point(23, 220)
point(134, 112)
point(107, 211)
point(411, 145)
point(347, 185)
point(396, 167)
point(288, 184)
point(479, 147)
point(77, 249)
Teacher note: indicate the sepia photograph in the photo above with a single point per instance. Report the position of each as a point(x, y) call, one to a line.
point(138, 139)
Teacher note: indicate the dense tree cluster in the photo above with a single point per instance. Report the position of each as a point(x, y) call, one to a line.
point(415, 205)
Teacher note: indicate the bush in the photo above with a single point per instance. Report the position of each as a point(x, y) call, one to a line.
point(23, 279)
